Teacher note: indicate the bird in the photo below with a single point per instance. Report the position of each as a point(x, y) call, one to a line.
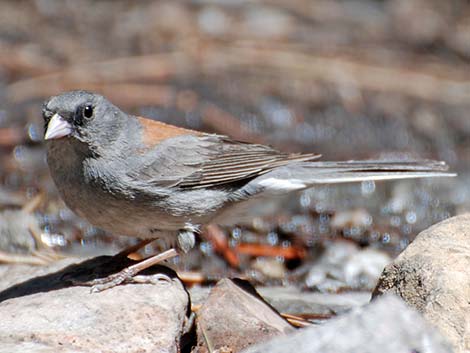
point(147, 179)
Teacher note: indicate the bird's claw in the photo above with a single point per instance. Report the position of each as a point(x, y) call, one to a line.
point(125, 276)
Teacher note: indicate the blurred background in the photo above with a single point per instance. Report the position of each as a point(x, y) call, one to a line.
point(350, 79)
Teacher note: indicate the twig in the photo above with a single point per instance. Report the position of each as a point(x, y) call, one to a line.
point(21, 259)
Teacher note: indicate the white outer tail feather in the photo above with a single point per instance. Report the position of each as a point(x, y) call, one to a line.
point(282, 184)
point(302, 175)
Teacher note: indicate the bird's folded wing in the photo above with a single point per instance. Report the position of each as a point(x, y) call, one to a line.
point(238, 164)
point(211, 161)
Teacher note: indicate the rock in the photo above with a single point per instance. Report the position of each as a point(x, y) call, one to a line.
point(297, 302)
point(234, 317)
point(345, 265)
point(48, 314)
point(292, 300)
point(363, 268)
point(386, 326)
point(433, 275)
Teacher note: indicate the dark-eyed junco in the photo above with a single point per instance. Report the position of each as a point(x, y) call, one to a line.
point(147, 179)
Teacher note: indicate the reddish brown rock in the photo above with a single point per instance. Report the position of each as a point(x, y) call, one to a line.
point(234, 318)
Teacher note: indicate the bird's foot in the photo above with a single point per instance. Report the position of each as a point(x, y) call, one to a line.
point(128, 274)
point(125, 276)
point(101, 284)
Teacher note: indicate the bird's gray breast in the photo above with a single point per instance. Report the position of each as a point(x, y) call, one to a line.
point(93, 194)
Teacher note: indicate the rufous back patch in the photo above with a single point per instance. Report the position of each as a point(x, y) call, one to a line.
point(155, 131)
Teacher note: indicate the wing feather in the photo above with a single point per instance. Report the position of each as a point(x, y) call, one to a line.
point(237, 161)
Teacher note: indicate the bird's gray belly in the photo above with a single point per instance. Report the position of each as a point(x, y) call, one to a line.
point(120, 216)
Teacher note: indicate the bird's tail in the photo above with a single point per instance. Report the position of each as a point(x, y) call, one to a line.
point(304, 174)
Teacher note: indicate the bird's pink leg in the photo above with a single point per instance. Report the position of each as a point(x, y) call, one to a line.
point(127, 274)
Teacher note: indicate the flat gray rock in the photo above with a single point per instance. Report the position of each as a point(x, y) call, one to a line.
point(295, 301)
point(292, 300)
point(387, 326)
point(433, 275)
point(48, 314)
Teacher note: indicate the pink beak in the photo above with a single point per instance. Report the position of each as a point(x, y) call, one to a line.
point(57, 128)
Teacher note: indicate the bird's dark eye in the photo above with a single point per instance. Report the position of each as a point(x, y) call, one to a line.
point(88, 111)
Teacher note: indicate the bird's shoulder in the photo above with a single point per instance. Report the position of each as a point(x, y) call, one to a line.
point(154, 132)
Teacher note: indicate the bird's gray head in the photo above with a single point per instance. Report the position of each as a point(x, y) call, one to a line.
point(82, 116)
